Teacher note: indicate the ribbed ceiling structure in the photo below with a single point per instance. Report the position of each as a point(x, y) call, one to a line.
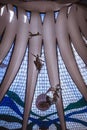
point(43, 46)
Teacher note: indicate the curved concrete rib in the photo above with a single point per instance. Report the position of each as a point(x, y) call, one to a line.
point(39, 6)
point(76, 36)
point(67, 1)
point(84, 10)
point(35, 44)
point(49, 39)
point(82, 20)
point(18, 52)
point(66, 51)
point(9, 34)
point(3, 19)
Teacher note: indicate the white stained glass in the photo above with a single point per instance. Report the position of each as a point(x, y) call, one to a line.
point(52, 127)
point(35, 127)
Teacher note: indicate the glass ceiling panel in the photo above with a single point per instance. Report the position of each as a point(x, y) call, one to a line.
point(12, 106)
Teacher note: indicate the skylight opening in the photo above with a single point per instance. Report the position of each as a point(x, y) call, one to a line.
point(25, 18)
point(2, 10)
point(11, 15)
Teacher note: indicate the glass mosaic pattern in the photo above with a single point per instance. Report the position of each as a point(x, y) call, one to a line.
point(12, 106)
